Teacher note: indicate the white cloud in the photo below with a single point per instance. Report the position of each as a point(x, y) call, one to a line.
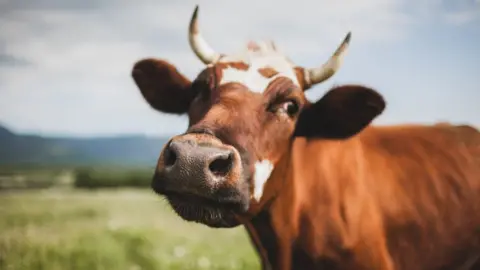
point(463, 16)
point(81, 53)
point(456, 12)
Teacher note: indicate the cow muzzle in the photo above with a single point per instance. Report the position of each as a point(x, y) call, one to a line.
point(202, 180)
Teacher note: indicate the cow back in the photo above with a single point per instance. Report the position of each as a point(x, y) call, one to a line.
point(426, 182)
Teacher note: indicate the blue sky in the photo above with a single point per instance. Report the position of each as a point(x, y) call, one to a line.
point(65, 65)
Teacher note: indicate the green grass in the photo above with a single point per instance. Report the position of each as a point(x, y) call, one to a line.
point(122, 229)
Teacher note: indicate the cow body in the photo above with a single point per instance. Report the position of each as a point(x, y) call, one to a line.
point(316, 186)
point(404, 197)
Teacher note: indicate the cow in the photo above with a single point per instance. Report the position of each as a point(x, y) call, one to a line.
point(316, 184)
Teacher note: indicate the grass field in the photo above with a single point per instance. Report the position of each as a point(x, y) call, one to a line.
point(124, 229)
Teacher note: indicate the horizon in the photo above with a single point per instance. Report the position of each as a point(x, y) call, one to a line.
point(85, 136)
point(55, 84)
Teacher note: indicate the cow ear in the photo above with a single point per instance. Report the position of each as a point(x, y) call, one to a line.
point(163, 87)
point(341, 113)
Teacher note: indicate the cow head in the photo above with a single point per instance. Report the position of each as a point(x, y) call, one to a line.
point(243, 111)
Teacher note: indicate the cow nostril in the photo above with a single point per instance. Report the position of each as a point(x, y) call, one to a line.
point(221, 165)
point(170, 157)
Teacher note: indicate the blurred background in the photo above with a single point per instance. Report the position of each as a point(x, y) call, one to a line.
point(78, 144)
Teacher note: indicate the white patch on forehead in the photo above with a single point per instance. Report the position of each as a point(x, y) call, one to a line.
point(263, 169)
point(265, 56)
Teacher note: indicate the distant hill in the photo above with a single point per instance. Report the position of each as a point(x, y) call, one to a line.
point(20, 149)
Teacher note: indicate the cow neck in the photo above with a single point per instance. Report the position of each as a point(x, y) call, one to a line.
point(259, 227)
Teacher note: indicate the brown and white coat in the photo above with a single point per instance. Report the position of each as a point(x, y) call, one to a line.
point(314, 183)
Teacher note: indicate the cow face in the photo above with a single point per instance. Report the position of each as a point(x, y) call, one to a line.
point(243, 111)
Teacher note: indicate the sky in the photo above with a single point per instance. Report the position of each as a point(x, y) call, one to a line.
point(65, 65)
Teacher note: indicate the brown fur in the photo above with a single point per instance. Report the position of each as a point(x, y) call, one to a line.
point(343, 194)
point(402, 197)
point(267, 72)
point(300, 72)
point(155, 79)
point(231, 103)
point(237, 65)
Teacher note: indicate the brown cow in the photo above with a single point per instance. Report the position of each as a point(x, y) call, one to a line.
point(315, 185)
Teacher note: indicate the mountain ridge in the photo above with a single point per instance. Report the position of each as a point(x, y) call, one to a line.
point(120, 150)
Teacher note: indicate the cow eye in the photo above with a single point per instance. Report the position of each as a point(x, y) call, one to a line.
point(289, 107)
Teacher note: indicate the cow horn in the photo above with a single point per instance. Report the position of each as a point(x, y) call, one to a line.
point(327, 70)
point(198, 44)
